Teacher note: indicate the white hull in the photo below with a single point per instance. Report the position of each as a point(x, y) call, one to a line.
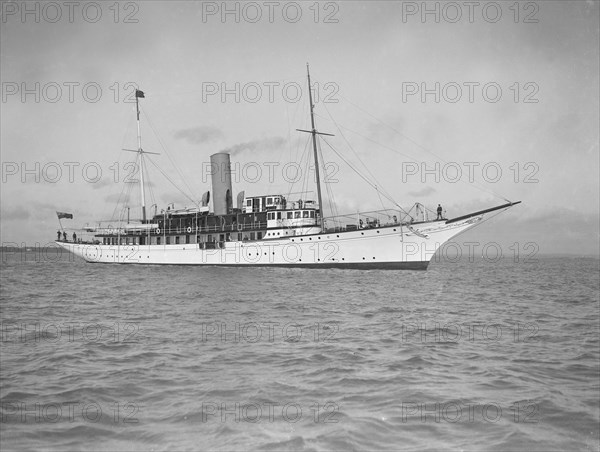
point(395, 247)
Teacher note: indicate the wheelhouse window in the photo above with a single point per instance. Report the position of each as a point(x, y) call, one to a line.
point(312, 213)
point(305, 214)
point(279, 215)
point(290, 215)
point(297, 214)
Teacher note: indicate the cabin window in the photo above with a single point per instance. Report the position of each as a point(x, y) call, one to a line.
point(209, 239)
point(312, 213)
point(168, 241)
point(290, 215)
point(239, 236)
point(177, 240)
point(279, 215)
point(269, 201)
point(305, 214)
point(249, 202)
point(297, 214)
point(158, 240)
point(187, 239)
point(252, 236)
point(259, 235)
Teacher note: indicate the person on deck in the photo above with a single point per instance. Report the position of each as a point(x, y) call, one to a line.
point(64, 236)
point(74, 237)
point(439, 212)
point(58, 234)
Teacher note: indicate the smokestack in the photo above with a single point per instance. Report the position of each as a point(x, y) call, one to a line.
point(221, 183)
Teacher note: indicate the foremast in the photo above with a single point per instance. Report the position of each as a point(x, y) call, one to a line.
point(140, 94)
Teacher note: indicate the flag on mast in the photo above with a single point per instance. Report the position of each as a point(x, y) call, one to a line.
point(139, 93)
point(64, 215)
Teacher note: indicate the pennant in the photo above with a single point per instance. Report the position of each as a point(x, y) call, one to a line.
point(64, 215)
point(139, 93)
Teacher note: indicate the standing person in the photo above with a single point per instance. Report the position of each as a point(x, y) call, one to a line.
point(74, 237)
point(64, 236)
point(439, 212)
point(58, 234)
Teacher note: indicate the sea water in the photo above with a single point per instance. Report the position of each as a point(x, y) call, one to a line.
point(468, 355)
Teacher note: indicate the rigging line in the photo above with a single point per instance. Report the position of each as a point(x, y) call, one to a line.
point(172, 183)
point(291, 182)
point(298, 141)
point(150, 191)
point(116, 163)
point(328, 187)
point(363, 177)
point(348, 143)
point(476, 184)
point(306, 178)
point(358, 157)
point(375, 182)
point(380, 200)
point(168, 154)
point(481, 186)
point(121, 198)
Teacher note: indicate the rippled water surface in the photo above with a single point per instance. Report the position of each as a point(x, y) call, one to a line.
point(465, 356)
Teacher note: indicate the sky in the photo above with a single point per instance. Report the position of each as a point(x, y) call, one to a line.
point(432, 102)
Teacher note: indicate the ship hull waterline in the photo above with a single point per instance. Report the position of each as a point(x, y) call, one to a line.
point(392, 247)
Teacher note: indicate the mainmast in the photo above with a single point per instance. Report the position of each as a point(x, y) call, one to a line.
point(139, 94)
point(314, 134)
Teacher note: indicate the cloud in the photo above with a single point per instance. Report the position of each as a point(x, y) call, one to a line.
point(15, 213)
point(425, 192)
point(261, 144)
point(102, 183)
point(199, 135)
